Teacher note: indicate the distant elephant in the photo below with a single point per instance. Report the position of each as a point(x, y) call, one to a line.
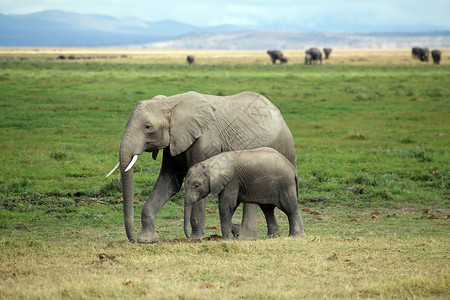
point(190, 59)
point(327, 52)
point(275, 55)
point(283, 60)
point(436, 54)
point(61, 57)
point(415, 52)
point(315, 53)
point(424, 54)
point(420, 53)
point(190, 128)
point(261, 176)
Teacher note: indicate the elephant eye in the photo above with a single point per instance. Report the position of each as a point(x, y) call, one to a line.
point(148, 126)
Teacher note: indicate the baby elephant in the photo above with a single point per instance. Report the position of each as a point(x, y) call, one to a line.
point(262, 176)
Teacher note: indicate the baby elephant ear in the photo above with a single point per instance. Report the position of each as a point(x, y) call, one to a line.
point(191, 116)
point(221, 171)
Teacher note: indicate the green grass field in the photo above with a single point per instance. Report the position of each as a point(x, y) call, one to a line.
point(371, 130)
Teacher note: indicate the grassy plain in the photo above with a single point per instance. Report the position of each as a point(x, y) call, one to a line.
point(371, 131)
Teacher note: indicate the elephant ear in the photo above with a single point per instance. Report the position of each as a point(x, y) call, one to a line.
point(191, 116)
point(221, 171)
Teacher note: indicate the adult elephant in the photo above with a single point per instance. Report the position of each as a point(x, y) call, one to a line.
point(415, 52)
point(190, 59)
point(315, 53)
point(327, 52)
point(436, 54)
point(276, 55)
point(190, 128)
point(424, 54)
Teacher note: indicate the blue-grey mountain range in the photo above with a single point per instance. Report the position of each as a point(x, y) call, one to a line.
point(65, 29)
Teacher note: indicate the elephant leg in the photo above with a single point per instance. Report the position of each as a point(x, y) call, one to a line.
point(272, 225)
point(225, 222)
point(228, 202)
point(249, 224)
point(290, 208)
point(295, 224)
point(226, 210)
point(235, 228)
point(168, 184)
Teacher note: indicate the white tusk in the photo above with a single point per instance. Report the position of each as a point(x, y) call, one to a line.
point(114, 169)
point(133, 161)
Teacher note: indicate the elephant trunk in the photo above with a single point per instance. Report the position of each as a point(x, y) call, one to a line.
point(187, 218)
point(127, 191)
point(128, 199)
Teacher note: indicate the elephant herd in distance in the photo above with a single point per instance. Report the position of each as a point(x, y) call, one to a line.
point(312, 55)
point(423, 54)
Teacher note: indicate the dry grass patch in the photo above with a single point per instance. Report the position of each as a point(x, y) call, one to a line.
point(314, 267)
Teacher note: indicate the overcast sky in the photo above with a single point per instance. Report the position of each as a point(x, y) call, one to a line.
point(321, 15)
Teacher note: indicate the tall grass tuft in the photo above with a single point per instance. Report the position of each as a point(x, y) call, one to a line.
point(18, 186)
point(112, 188)
point(422, 154)
point(407, 140)
point(58, 155)
point(356, 136)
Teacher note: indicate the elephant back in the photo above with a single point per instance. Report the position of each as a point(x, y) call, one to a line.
point(249, 120)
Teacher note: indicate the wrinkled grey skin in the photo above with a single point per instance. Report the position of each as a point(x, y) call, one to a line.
point(436, 54)
point(276, 55)
point(327, 52)
point(261, 176)
point(190, 59)
point(315, 54)
point(190, 128)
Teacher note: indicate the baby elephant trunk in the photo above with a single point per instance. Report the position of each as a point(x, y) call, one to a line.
point(187, 218)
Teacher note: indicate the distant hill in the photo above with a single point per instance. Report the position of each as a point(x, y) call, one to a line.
point(260, 40)
point(64, 29)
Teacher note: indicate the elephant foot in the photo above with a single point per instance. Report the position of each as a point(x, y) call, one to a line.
point(148, 238)
point(246, 234)
point(298, 234)
point(197, 234)
point(274, 234)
